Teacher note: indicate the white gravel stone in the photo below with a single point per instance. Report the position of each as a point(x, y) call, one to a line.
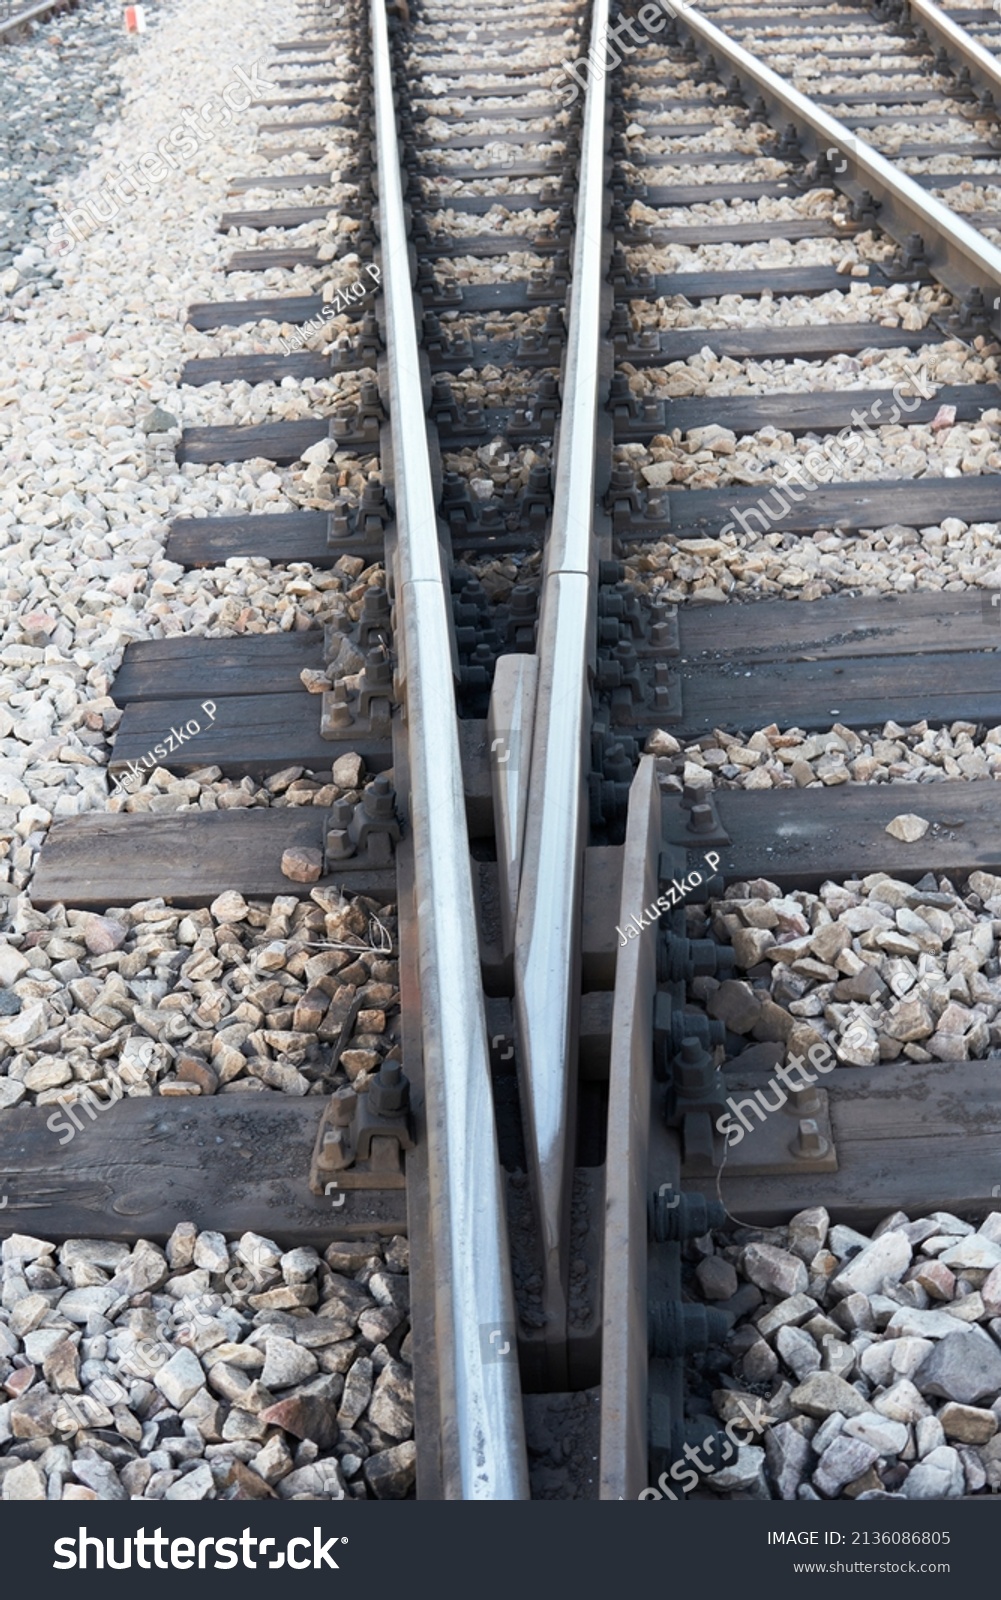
point(774, 1269)
point(286, 1363)
point(908, 827)
point(902, 1403)
point(181, 1378)
point(887, 1438)
point(24, 1482)
point(973, 1251)
point(128, 1357)
point(887, 1257)
point(939, 1476)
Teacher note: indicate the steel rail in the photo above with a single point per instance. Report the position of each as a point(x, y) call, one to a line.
point(11, 24)
point(958, 256)
point(623, 1447)
point(483, 1444)
point(547, 926)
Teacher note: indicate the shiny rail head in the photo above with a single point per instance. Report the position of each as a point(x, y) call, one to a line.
point(483, 1453)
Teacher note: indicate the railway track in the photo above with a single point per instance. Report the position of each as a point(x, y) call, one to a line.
point(16, 18)
point(737, 272)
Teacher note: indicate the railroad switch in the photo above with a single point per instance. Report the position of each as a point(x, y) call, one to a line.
point(362, 1137)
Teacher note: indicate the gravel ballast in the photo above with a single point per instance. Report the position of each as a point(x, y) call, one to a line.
point(875, 1358)
point(205, 1370)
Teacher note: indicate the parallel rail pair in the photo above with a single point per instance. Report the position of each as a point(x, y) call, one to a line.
point(548, 901)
